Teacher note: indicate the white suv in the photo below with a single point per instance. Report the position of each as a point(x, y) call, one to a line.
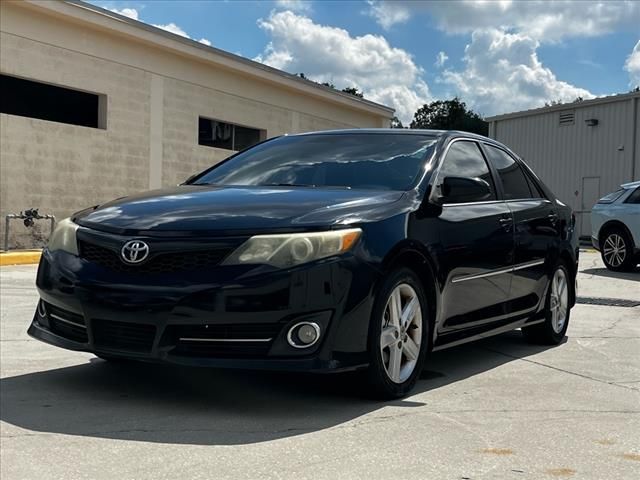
point(615, 227)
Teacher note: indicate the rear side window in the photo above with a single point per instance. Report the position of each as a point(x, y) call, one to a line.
point(634, 197)
point(514, 182)
point(464, 159)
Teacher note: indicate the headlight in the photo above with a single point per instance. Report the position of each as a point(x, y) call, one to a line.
point(291, 249)
point(64, 237)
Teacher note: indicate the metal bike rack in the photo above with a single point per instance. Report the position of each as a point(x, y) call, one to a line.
point(28, 218)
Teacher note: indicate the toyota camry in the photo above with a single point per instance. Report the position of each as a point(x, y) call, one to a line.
point(324, 252)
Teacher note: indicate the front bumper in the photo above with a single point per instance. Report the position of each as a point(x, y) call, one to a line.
point(229, 317)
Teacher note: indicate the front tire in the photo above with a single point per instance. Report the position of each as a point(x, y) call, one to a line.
point(617, 250)
point(398, 335)
point(554, 328)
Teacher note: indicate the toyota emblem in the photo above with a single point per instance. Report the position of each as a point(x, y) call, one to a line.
point(134, 251)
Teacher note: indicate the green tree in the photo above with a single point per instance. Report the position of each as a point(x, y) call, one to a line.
point(396, 123)
point(449, 115)
point(353, 91)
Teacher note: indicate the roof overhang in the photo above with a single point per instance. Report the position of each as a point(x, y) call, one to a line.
point(565, 106)
point(105, 20)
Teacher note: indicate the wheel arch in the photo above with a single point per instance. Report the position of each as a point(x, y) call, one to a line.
point(610, 225)
point(412, 257)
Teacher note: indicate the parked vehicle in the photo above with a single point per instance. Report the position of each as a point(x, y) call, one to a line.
point(329, 251)
point(615, 227)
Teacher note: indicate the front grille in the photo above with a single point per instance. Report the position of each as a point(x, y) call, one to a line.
point(231, 340)
point(160, 263)
point(66, 324)
point(135, 337)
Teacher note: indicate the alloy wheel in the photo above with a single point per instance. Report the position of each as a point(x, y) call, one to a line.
point(559, 300)
point(614, 250)
point(401, 334)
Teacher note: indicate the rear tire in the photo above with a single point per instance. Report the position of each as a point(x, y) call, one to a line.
point(398, 335)
point(557, 311)
point(616, 249)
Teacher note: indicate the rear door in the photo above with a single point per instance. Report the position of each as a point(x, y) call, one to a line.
point(537, 229)
point(476, 239)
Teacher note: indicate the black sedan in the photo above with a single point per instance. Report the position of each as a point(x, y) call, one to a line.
point(329, 251)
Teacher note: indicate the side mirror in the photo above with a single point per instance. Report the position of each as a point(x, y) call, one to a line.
point(464, 189)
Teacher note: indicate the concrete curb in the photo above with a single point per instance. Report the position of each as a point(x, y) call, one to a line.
point(20, 257)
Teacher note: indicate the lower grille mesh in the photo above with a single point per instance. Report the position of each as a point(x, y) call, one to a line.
point(222, 341)
point(135, 337)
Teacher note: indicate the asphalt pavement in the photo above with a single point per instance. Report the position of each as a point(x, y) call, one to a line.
point(494, 409)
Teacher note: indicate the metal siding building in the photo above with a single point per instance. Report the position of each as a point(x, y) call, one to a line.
point(578, 161)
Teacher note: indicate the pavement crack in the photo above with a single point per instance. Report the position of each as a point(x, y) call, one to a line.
point(558, 369)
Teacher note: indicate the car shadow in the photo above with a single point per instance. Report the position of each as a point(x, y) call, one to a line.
point(605, 272)
point(156, 403)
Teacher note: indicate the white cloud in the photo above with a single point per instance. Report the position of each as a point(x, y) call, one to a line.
point(169, 27)
point(632, 65)
point(127, 12)
point(440, 59)
point(328, 54)
point(301, 6)
point(503, 74)
point(540, 19)
point(388, 14)
point(173, 28)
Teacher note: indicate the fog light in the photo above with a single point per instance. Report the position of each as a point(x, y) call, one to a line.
point(42, 310)
point(303, 334)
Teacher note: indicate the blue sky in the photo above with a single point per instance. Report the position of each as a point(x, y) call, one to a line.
point(497, 56)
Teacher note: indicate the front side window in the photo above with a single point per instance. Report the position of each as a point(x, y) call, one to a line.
point(464, 159)
point(367, 161)
point(514, 182)
point(634, 197)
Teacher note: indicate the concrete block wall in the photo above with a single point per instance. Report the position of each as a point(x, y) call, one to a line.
point(153, 103)
point(62, 168)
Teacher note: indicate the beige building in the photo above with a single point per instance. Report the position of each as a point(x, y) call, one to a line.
point(95, 106)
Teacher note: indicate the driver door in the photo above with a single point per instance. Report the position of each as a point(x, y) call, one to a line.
point(477, 247)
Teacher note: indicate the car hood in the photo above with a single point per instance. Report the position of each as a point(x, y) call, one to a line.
point(201, 208)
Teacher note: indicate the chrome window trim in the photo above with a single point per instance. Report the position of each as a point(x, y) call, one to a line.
point(501, 271)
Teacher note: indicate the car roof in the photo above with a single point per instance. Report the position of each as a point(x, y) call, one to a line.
point(630, 185)
point(397, 131)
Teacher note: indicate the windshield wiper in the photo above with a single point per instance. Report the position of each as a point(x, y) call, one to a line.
point(304, 185)
point(288, 185)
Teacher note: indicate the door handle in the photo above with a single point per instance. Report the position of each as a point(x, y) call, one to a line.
point(506, 223)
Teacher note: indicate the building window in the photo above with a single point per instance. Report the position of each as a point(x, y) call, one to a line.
point(28, 98)
point(213, 133)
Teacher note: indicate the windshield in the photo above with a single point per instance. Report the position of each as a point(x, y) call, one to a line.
point(612, 197)
point(365, 161)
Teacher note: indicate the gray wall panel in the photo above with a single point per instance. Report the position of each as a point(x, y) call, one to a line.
point(562, 155)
